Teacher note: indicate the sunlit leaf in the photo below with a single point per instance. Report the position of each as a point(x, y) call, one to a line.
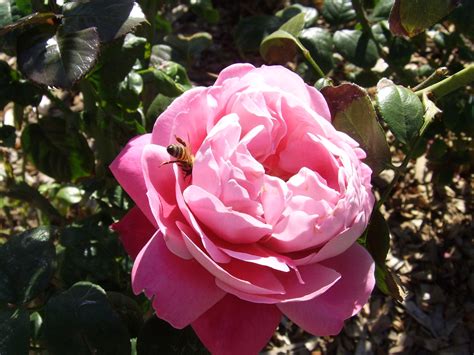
point(353, 113)
point(410, 17)
point(280, 46)
point(402, 110)
point(57, 59)
point(111, 18)
point(310, 13)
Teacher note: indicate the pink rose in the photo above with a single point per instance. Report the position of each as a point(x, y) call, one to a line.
point(259, 220)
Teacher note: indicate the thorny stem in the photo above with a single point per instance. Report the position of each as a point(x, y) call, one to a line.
point(450, 84)
point(440, 89)
point(362, 17)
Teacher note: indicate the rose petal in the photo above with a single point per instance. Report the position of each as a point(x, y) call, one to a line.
point(182, 289)
point(235, 71)
point(244, 277)
point(186, 117)
point(229, 225)
point(161, 198)
point(128, 172)
point(236, 327)
point(135, 230)
point(317, 279)
point(325, 314)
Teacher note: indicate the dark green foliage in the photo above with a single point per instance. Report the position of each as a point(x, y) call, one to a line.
point(14, 331)
point(57, 150)
point(158, 337)
point(82, 321)
point(26, 265)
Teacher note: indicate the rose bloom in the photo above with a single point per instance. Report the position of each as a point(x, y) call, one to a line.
point(264, 224)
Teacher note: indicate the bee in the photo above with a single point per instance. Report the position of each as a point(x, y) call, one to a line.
point(183, 156)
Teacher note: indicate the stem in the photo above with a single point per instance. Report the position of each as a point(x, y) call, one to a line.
point(362, 17)
point(448, 85)
point(311, 61)
point(438, 75)
point(398, 173)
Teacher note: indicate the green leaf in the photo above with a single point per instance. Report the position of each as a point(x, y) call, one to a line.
point(386, 282)
point(128, 310)
point(15, 331)
point(111, 18)
point(280, 46)
point(158, 337)
point(294, 25)
point(82, 321)
point(130, 90)
point(356, 47)
point(381, 11)
point(26, 265)
point(250, 31)
point(402, 110)
point(70, 194)
point(171, 79)
point(310, 13)
point(57, 59)
point(157, 107)
point(320, 45)
point(7, 136)
point(191, 46)
point(117, 60)
point(378, 238)
point(400, 51)
point(89, 253)
point(353, 113)
point(57, 150)
point(410, 17)
point(338, 11)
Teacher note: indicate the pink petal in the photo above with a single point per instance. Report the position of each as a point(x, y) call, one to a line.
point(127, 170)
point(186, 117)
point(274, 197)
point(241, 276)
point(182, 289)
point(229, 225)
point(236, 327)
point(234, 71)
point(325, 314)
point(135, 230)
point(162, 199)
point(306, 283)
point(339, 244)
point(318, 103)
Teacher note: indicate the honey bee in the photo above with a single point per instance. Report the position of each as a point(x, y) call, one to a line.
point(183, 156)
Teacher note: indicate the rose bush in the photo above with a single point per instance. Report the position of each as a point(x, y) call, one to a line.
point(266, 223)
